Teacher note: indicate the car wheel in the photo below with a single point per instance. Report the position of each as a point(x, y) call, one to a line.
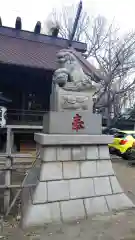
point(118, 154)
point(127, 155)
point(111, 150)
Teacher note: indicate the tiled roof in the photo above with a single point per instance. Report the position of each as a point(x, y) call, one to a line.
point(28, 53)
point(37, 54)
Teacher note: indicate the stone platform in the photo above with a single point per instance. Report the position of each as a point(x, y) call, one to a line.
point(76, 180)
point(61, 123)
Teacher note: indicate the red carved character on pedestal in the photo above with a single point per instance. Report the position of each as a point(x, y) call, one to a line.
point(77, 123)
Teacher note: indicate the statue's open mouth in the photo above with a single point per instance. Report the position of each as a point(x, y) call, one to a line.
point(61, 84)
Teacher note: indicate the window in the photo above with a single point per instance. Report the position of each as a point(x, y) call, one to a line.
point(133, 135)
point(120, 135)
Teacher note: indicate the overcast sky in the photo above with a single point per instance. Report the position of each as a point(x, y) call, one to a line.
point(32, 10)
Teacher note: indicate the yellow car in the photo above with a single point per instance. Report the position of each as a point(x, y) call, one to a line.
point(122, 143)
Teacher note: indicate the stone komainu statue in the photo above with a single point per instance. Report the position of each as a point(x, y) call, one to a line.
point(73, 84)
point(70, 75)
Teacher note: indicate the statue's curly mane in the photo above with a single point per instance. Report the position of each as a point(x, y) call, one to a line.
point(77, 80)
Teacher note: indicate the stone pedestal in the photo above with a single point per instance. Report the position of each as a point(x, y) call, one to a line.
point(76, 180)
point(64, 105)
point(61, 122)
point(62, 100)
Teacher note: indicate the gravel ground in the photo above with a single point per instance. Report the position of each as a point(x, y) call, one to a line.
point(126, 176)
point(115, 226)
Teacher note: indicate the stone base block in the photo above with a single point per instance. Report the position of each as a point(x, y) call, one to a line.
point(76, 180)
point(118, 202)
point(72, 210)
point(62, 100)
point(81, 188)
point(61, 123)
point(96, 205)
point(40, 214)
point(58, 190)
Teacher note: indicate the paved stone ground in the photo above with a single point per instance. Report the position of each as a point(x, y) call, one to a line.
point(126, 176)
point(115, 226)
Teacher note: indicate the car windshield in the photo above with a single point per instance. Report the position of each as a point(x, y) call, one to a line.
point(120, 135)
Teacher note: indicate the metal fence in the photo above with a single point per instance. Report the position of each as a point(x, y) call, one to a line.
point(7, 159)
point(17, 116)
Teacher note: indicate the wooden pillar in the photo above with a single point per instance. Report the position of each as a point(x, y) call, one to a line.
point(23, 106)
point(9, 145)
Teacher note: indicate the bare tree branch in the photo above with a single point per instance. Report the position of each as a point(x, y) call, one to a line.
point(114, 54)
point(66, 18)
point(116, 59)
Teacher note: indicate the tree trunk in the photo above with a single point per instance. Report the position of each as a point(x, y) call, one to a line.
point(109, 107)
point(108, 115)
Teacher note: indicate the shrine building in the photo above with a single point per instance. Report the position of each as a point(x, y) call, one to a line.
point(27, 63)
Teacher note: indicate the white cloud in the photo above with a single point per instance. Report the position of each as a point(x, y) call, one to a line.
point(31, 11)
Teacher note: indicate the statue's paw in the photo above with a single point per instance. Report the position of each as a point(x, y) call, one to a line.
point(69, 99)
point(70, 86)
